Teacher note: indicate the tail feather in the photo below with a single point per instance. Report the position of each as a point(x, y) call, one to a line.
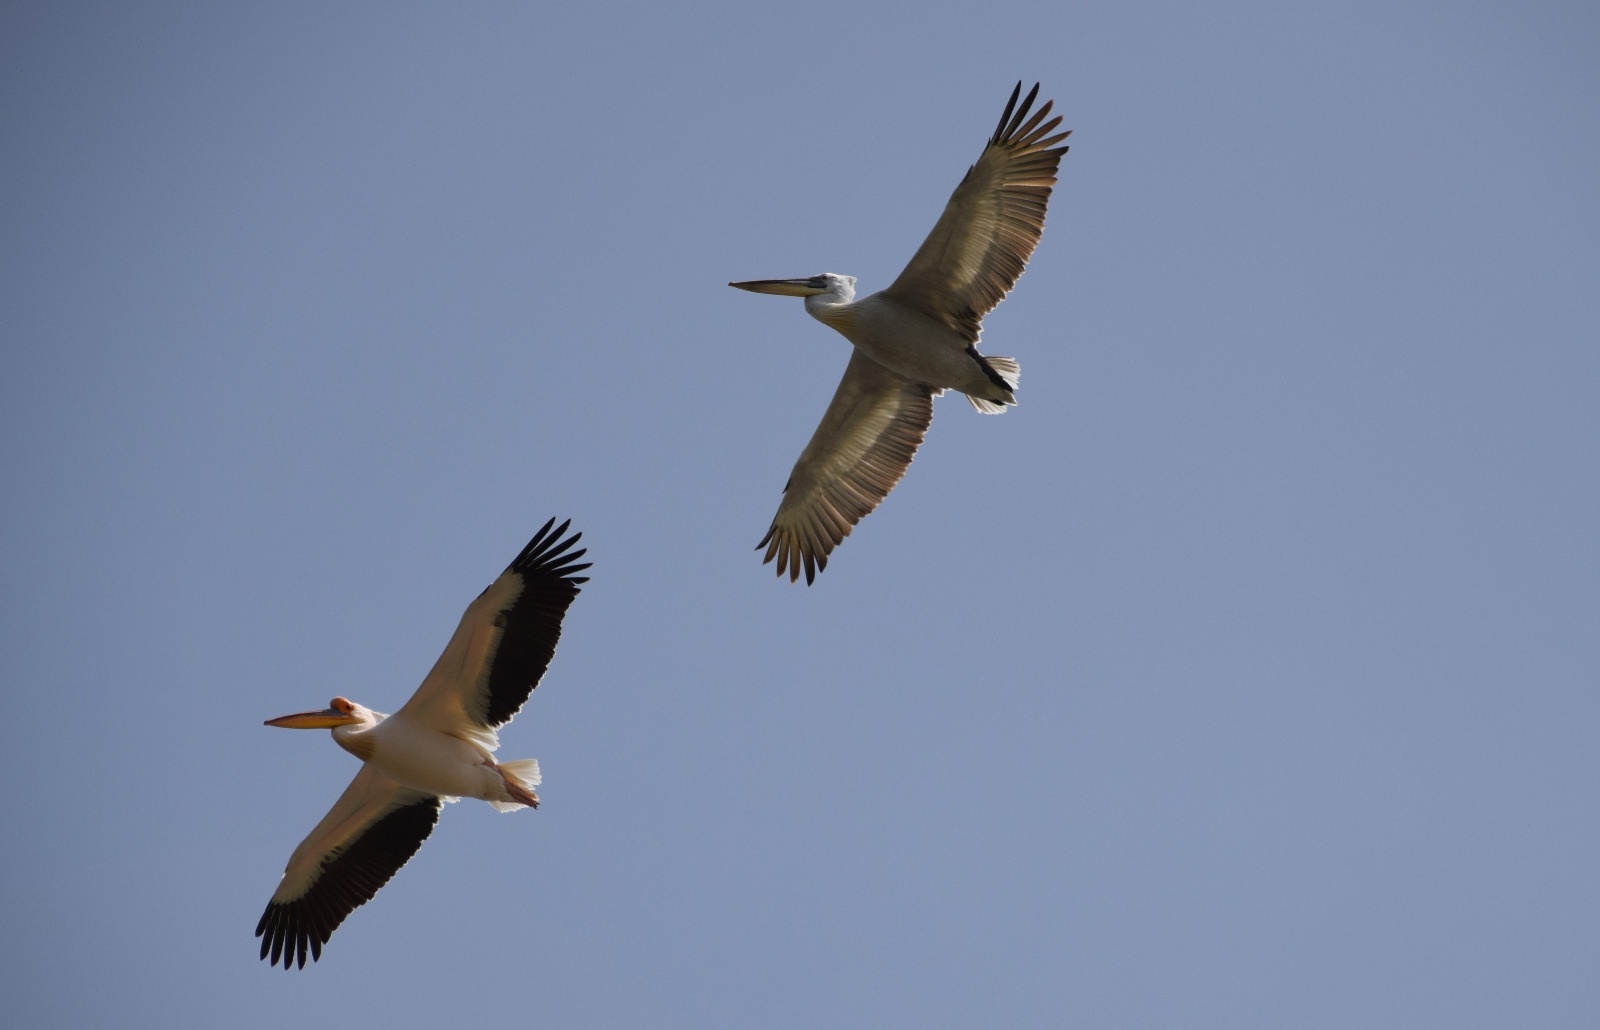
point(1005, 368)
point(526, 772)
point(1003, 372)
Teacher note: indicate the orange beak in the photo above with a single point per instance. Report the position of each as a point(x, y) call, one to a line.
point(326, 719)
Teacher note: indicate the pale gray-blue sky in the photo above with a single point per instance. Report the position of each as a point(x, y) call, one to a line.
point(1243, 676)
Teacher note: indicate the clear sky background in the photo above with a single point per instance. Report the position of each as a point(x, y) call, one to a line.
point(1243, 676)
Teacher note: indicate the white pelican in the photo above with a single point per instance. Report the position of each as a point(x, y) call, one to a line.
point(437, 747)
point(915, 339)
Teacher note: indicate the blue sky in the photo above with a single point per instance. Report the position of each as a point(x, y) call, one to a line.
point(1243, 676)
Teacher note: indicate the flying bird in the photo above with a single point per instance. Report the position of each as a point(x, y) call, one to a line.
point(438, 747)
point(915, 339)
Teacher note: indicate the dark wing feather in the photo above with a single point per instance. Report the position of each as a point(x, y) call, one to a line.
point(865, 443)
point(991, 224)
point(506, 638)
point(371, 831)
point(533, 623)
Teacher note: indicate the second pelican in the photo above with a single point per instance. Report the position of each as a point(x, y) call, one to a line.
point(915, 339)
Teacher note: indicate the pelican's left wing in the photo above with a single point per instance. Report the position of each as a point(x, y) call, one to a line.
point(504, 643)
point(991, 223)
point(371, 831)
point(868, 436)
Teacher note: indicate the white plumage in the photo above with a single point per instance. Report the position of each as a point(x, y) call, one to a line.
point(438, 747)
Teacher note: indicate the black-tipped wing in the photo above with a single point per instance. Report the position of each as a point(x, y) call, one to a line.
point(371, 831)
point(504, 643)
point(868, 436)
point(991, 224)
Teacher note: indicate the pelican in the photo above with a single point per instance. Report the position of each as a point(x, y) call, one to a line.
point(438, 747)
point(915, 339)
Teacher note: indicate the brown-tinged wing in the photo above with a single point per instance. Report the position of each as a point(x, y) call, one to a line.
point(991, 224)
point(866, 440)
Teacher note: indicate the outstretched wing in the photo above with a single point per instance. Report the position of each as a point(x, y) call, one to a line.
point(868, 436)
point(991, 224)
point(371, 831)
point(504, 643)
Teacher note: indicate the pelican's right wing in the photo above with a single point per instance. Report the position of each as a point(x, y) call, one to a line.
point(991, 223)
point(868, 436)
point(371, 831)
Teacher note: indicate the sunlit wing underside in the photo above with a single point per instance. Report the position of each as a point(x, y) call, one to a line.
point(865, 443)
point(371, 831)
point(990, 225)
point(504, 643)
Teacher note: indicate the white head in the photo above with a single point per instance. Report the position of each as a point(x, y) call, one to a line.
point(348, 721)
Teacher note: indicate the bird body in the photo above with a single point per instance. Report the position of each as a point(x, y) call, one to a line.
point(911, 343)
point(429, 758)
point(915, 339)
point(437, 747)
